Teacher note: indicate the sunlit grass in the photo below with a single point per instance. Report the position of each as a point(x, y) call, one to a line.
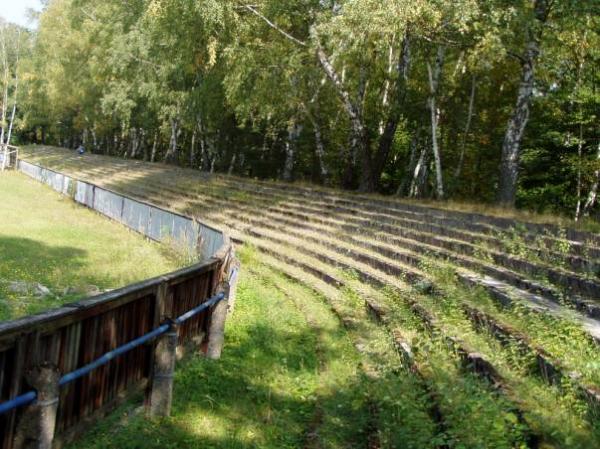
point(46, 238)
point(286, 356)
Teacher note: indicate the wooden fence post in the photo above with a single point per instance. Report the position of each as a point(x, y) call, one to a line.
point(235, 266)
point(165, 356)
point(216, 332)
point(38, 423)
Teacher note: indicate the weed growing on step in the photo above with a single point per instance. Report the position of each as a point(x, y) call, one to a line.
point(460, 396)
point(567, 424)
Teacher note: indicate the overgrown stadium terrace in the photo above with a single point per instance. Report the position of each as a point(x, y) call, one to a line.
point(494, 323)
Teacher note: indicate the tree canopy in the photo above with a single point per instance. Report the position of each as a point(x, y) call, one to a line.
point(488, 101)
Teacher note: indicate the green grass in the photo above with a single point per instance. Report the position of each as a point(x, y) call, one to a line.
point(289, 377)
point(48, 239)
point(293, 376)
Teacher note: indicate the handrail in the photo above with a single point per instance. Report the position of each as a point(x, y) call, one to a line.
point(168, 290)
point(31, 396)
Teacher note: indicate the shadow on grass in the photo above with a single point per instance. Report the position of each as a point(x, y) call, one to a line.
point(33, 262)
point(261, 394)
point(32, 253)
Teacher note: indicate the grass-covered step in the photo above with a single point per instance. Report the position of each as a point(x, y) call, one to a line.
point(506, 294)
point(495, 362)
point(468, 391)
point(550, 369)
point(543, 243)
point(402, 404)
point(149, 171)
point(477, 361)
point(496, 288)
point(395, 255)
point(572, 281)
point(532, 231)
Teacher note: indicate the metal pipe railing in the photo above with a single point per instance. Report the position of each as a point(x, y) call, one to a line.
point(31, 396)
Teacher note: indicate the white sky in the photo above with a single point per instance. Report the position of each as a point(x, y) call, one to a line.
point(16, 10)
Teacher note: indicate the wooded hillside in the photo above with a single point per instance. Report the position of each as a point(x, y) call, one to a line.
point(492, 101)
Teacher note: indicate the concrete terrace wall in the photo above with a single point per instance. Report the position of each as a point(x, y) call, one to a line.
point(153, 222)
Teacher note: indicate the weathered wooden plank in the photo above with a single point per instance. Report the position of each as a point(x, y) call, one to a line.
point(14, 388)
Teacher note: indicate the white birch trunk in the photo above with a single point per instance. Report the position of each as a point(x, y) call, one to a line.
point(294, 131)
point(463, 145)
point(579, 160)
point(358, 139)
point(6, 79)
point(231, 164)
point(593, 195)
point(193, 149)
point(16, 93)
point(511, 146)
point(154, 146)
point(415, 189)
point(434, 79)
point(171, 155)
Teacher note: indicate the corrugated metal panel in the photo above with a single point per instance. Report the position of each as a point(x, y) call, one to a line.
point(108, 203)
point(184, 232)
point(80, 189)
point(153, 222)
point(136, 216)
point(161, 224)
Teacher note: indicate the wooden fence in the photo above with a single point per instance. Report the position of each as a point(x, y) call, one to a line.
point(74, 335)
point(8, 156)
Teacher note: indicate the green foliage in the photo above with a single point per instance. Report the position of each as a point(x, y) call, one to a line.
point(220, 85)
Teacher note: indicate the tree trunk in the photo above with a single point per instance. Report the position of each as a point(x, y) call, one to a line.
point(463, 145)
point(154, 145)
point(171, 155)
point(358, 140)
point(593, 195)
point(511, 147)
point(411, 167)
point(319, 145)
point(94, 140)
point(6, 79)
point(16, 93)
point(134, 143)
point(294, 131)
point(419, 174)
point(232, 164)
point(388, 131)
point(193, 149)
point(434, 80)
point(579, 160)
point(320, 152)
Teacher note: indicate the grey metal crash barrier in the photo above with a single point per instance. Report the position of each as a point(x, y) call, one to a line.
point(153, 222)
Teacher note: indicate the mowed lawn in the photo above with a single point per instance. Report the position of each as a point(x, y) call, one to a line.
point(49, 240)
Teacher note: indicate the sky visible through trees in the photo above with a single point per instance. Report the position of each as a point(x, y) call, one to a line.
point(486, 101)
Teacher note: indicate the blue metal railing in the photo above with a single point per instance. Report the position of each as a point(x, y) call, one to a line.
point(31, 396)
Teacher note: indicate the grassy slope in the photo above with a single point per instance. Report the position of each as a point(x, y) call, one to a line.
point(48, 239)
point(289, 378)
